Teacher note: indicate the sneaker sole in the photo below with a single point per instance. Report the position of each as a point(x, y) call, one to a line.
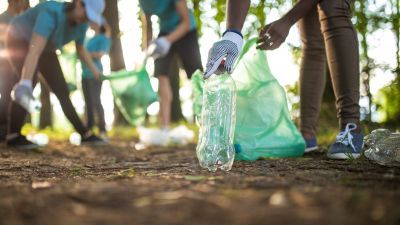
point(311, 149)
point(344, 156)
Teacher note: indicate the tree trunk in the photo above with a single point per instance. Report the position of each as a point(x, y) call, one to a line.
point(176, 110)
point(46, 117)
point(362, 27)
point(116, 55)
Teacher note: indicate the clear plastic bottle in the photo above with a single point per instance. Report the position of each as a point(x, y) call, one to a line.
point(383, 147)
point(215, 148)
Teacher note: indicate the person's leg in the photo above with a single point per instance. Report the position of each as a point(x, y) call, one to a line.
point(343, 58)
point(51, 70)
point(162, 68)
point(312, 73)
point(189, 53)
point(165, 94)
point(97, 84)
point(87, 89)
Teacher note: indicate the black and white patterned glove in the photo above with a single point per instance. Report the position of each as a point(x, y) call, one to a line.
point(224, 53)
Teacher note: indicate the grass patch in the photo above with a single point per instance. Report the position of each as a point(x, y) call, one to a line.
point(128, 173)
point(77, 171)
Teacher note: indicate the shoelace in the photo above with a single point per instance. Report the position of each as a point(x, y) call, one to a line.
point(345, 137)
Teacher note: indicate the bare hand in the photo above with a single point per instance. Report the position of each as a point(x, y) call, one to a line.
point(273, 35)
point(97, 75)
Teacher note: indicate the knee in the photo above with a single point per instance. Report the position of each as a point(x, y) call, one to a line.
point(164, 89)
point(165, 96)
point(313, 49)
point(64, 100)
point(312, 39)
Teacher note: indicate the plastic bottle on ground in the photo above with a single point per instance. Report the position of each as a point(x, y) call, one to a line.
point(383, 147)
point(215, 148)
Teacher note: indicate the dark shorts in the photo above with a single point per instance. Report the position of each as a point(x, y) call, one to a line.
point(187, 49)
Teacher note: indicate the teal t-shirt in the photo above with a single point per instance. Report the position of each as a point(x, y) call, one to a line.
point(98, 43)
point(48, 19)
point(166, 11)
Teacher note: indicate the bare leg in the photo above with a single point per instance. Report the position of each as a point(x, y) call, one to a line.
point(165, 94)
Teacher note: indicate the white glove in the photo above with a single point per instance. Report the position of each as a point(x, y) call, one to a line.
point(22, 94)
point(162, 46)
point(228, 48)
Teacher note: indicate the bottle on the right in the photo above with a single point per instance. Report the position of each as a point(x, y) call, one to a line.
point(383, 147)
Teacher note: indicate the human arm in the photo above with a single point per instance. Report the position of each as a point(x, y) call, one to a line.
point(229, 47)
point(274, 34)
point(163, 44)
point(84, 55)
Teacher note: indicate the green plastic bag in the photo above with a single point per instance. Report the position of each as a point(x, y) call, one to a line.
point(197, 82)
point(263, 125)
point(133, 93)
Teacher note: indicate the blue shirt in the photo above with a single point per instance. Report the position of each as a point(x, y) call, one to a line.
point(48, 19)
point(166, 11)
point(98, 43)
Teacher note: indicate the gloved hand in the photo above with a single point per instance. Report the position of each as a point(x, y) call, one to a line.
point(162, 46)
point(228, 48)
point(22, 94)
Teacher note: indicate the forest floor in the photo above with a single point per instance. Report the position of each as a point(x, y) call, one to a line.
point(117, 184)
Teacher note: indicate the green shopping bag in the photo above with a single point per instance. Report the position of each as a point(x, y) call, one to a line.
point(133, 93)
point(263, 125)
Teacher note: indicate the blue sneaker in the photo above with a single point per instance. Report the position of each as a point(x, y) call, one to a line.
point(311, 145)
point(348, 145)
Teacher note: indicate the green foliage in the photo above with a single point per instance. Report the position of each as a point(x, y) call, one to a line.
point(368, 21)
point(197, 14)
point(127, 173)
point(388, 102)
point(257, 16)
point(77, 171)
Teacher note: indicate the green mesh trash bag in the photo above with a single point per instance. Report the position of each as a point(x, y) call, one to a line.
point(263, 125)
point(133, 93)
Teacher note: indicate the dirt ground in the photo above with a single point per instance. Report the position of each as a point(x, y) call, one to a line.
point(117, 184)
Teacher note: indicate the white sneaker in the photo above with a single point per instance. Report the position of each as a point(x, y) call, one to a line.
point(149, 136)
point(181, 135)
